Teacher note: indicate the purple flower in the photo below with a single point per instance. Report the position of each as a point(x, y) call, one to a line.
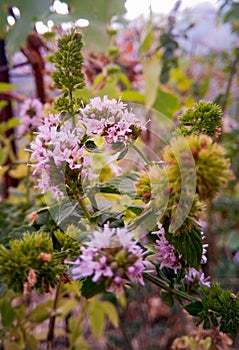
point(194, 275)
point(204, 250)
point(166, 252)
point(113, 257)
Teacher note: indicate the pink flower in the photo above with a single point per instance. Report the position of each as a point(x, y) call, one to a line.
point(195, 275)
point(113, 257)
point(56, 145)
point(31, 114)
point(111, 119)
point(166, 252)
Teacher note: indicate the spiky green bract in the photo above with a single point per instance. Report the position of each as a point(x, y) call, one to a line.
point(217, 307)
point(203, 118)
point(162, 186)
point(68, 76)
point(27, 254)
point(211, 165)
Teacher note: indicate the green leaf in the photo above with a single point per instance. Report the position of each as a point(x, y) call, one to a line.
point(135, 209)
point(31, 342)
point(189, 245)
point(124, 80)
point(31, 11)
point(3, 104)
point(90, 289)
point(151, 70)
point(98, 79)
point(111, 312)
point(11, 123)
point(147, 42)
point(65, 210)
point(96, 319)
point(132, 95)
point(7, 87)
point(80, 344)
point(167, 298)
point(90, 146)
point(9, 345)
point(125, 184)
point(99, 14)
point(67, 306)
point(123, 153)
point(194, 308)
point(3, 155)
point(41, 312)
point(7, 313)
point(166, 102)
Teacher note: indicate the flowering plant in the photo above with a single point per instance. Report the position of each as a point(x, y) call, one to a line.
point(124, 218)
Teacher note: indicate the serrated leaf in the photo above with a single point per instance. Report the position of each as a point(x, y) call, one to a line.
point(189, 245)
point(194, 308)
point(64, 210)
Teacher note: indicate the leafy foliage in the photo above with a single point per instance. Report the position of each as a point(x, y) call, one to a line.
point(203, 118)
point(217, 307)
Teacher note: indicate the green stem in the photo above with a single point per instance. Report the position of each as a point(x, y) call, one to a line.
point(50, 335)
point(147, 162)
point(84, 208)
point(164, 285)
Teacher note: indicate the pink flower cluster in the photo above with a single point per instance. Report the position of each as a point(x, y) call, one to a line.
point(195, 275)
point(113, 257)
point(166, 252)
point(31, 114)
point(167, 257)
point(111, 119)
point(56, 145)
